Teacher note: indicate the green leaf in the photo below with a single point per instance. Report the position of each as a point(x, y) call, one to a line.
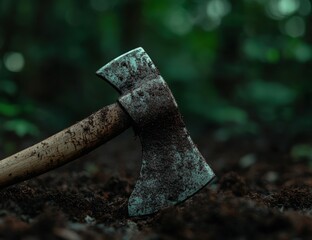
point(9, 110)
point(227, 114)
point(266, 93)
point(21, 127)
point(302, 151)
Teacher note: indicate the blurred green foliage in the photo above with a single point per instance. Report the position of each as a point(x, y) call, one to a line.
point(302, 151)
point(238, 67)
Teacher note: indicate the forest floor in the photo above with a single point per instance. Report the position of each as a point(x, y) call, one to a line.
point(261, 193)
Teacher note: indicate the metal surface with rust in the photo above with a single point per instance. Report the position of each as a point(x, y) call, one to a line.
point(172, 167)
point(129, 71)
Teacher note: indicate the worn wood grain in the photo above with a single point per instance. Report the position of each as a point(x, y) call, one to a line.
point(64, 146)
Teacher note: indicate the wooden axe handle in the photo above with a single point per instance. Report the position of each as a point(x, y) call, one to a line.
point(64, 146)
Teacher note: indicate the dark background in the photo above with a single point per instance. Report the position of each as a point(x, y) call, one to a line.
point(238, 69)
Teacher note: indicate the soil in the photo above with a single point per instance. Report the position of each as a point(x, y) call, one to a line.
point(261, 193)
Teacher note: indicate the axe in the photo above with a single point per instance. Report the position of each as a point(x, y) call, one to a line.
point(172, 167)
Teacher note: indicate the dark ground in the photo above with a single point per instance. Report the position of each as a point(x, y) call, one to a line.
point(260, 193)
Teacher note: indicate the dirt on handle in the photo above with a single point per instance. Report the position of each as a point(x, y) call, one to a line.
point(265, 200)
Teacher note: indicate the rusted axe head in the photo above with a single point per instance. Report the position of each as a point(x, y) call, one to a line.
point(172, 167)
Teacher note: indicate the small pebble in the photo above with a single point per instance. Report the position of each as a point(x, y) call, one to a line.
point(247, 160)
point(271, 176)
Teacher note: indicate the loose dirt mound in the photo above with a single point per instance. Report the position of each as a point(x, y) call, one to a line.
point(254, 198)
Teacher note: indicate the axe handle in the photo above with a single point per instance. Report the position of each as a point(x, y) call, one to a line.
point(64, 146)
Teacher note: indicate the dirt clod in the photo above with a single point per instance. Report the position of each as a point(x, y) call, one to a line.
point(293, 197)
point(232, 182)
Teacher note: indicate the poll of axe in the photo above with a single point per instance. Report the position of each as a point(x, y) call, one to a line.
point(172, 167)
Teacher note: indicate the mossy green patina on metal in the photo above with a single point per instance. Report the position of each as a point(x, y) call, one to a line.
point(172, 167)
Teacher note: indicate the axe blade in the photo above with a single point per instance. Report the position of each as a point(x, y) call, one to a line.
point(172, 167)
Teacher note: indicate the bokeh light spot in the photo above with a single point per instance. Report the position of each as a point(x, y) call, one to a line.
point(279, 9)
point(303, 53)
point(179, 22)
point(295, 27)
point(14, 61)
point(287, 7)
point(216, 9)
point(305, 7)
